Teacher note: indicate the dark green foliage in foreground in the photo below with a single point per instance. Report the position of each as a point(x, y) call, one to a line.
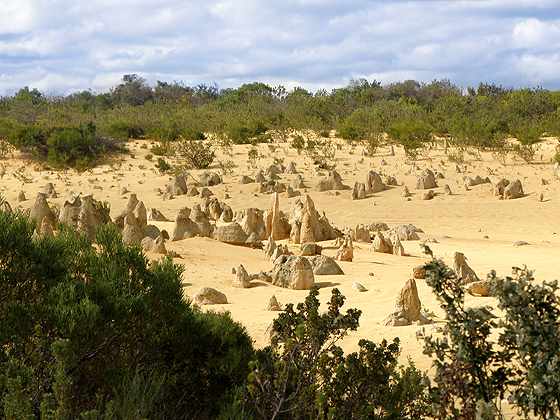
point(474, 370)
point(304, 374)
point(94, 330)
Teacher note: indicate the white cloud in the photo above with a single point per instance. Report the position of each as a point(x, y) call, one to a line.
point(536, 35)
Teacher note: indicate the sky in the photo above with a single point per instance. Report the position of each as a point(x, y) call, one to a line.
point(66, 46)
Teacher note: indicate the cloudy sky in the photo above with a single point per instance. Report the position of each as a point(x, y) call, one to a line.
point(64, 46)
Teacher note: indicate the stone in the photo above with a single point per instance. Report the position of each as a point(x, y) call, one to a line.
point(209, 179)
point(346, 250)
point(325, 266)
point(260, 178)
point(209, 296)
point(293, 272)
point(177, 186)
point(242, 279)
point(361, 234)
point(407, 308)
point(310, 248)
point(231, 234)
point(40, 211)
point(49, 189)
point(274, 227)
point(273, 304)
point(297, 182)
point(406, 192)
point(151, 231)
point(319, 224)
point(357, 286)
point(141, 214)
point(464, 273)
point(21, 196)
point(391, 151)
point(192, 192)
point(269, 249)
point(205, 192)
point(447, 190)
point(479, 288)
point(5, 206)
point(381, 244)
point(156, 246)
point(291, 168)
point(407, 232)
point(123, 191)
point(418, 272)
point(428, 195)
point(306, 230)
point(398, 248)
point(513, 190)
point(374, 183)
point(291, 193)
point(358, 192)
point(132, 202)
point(245, 179)
point(426, 181)
point(500, 187)
point(252, 221)
point(154, 215)
point(184, 228)
point(333, 182)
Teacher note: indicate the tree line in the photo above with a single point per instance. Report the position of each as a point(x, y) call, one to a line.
point(77, 129)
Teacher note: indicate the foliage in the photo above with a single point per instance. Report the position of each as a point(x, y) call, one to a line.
point(96, 330)
point(162, 165)
point(195, 153)
point(471, 371)
point(124, 130)
point(412, 134)
point(532, 334)
point(304, 374)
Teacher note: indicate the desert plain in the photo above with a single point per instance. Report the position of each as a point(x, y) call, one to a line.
point(474, 221)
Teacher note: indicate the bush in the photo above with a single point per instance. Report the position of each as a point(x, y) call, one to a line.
point(124, 130)
point(190, 134)
point(195, 153)
point(162, 165)
point(164, 132)
point(96, 330)
point(413, 134)
point(304, 374)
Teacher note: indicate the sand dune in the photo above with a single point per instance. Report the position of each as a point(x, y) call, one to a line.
point(474, 222)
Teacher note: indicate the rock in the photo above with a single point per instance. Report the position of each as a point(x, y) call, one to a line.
point(406, 192)
point(520, 243)
point(50, 191)
point(418, 272)
point(333, 182)
point(462, 269)
point(293, 272)
point(500, 187)
point(541, 197)
point(192, 192)
point(201, 219)
point(141, 214)
point(273, 304)
point(252, 221)
point(231, 234)
point(291, 168)
point(269, 249)
point(398, 248)
point(391, 151)
point(361, 234)
point(358, 192)
point(322, 230)
point(325, 266)
point(209, 296)
point(40, 211)
point(381, 244)
point(275, 169)
point(269, 333)
point(374, 183)
point(298, 182)
point(46, 228)
point(260, 178)
point(358, 287)
point(439, 175)
point(479, 288)
point(166, 196)
point(407, 308)
point(274, 226)
point(544, 181)
point(457, 169)
point(383, 162)
point(245, 179)
point(513, 190)
point(205, 192)
point(132, 202)
point(209, 179)
point(406, 232)
point(178, 186)
point(123, 191)
point(306, 231)
point(428, 195)
point(151, 231)
point(184, 228)
point(132, 235)
point(242, 279)
point(156, 246)
point(154, 215)
point(346, 250)
point(291, 193)
point(5, 206)
point(426, 181)
point(447, 190)
point(21, 196)
point(310, 248)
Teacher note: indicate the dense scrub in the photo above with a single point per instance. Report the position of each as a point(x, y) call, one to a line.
point(479, 118)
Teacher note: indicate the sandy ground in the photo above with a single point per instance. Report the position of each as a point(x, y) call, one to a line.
point(473, 222)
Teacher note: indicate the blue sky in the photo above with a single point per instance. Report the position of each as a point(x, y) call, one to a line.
point(64, 46)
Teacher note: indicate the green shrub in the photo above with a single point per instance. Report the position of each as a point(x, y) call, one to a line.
point(190, 134)
point(164, 133)
point(124, 130)
point(162, 165)
point(413, 134)
point(304, 374)
point(195, 153)
point(96, 330)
